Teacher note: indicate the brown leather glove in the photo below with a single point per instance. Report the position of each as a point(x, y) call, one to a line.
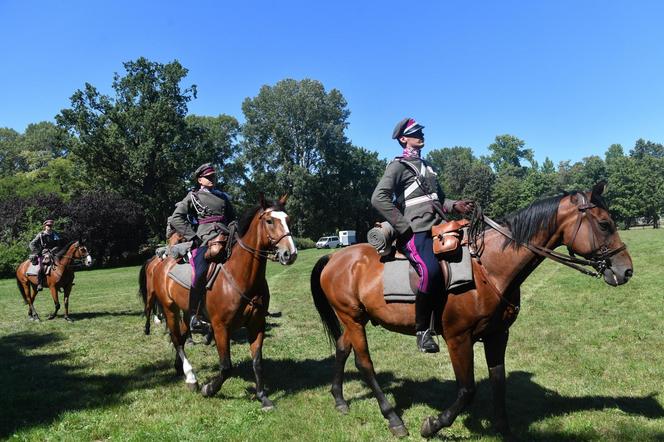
point(463, 206)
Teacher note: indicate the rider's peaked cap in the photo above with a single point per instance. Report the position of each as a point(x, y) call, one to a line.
point(406, 127)
point(204, 170)
point(48, 222)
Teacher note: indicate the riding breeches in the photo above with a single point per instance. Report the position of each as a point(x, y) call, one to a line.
point(419, 251)
point(199, 267)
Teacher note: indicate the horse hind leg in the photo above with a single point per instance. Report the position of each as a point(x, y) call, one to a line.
point(358, 338)
point(182, 364)
point(343, 349)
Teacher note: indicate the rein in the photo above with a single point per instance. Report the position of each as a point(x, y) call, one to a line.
point(599, 261)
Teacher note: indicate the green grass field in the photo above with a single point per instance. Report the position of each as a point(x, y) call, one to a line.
point(585, 362)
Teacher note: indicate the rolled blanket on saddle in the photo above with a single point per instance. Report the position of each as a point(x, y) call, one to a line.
point(381, 238)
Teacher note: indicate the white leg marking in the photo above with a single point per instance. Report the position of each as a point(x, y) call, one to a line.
point(190, 378)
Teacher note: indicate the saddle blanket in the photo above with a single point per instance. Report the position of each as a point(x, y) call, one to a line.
point(181, 273)
point(400, 278)
point(33, 270)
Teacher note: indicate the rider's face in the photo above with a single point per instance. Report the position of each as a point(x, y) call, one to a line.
point(415, 141)
point(48, 228)
point(207, 181)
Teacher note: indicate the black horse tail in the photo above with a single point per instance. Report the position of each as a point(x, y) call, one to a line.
point(21, 290)
point(327, 315)
point(143, 282)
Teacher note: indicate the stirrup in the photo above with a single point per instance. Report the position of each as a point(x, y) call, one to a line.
point(198, 325)
point(425, 342)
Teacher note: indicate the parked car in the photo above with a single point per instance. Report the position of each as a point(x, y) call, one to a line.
point(328, 242)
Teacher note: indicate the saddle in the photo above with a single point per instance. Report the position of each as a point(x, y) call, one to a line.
point(450, 244)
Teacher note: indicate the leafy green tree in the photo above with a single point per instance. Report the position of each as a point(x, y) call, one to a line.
point(507, 152)
point(454, 166)
point(137, 142)
point(215, 140)
point(623, 190)
point(293, 138)
point(10, 149)
point(643, 148)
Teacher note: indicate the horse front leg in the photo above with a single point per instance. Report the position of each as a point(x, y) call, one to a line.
point(56, 301)
point(223, 340)
point(461, 355)
point(343, 349)
point(358, 338)
point(67, 292)
point(494, 350)
point(31, 294)
point(256, 336)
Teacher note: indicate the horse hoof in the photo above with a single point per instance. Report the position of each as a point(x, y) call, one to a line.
point(68, 319)
point(399, 430)
point(342, 408)
point(206, 391)
point(428, 427)
point(192, 386)
point(267, 406)
point(51, 316)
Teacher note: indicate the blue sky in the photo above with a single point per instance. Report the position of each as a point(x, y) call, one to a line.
point(568, 77)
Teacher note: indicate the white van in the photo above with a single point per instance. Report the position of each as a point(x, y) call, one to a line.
point(328, 242)
point(347, 237)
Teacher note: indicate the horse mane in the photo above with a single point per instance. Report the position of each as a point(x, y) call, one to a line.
point(64, 249)
point(245, 220)
point(527, 222)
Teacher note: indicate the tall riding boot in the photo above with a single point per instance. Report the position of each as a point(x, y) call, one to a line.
point(423, 310)
point(197, 324)
point(40, 280)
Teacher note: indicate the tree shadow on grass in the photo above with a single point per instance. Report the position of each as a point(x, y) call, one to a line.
point(38, 387)
point(527, 401)
point(92, 315)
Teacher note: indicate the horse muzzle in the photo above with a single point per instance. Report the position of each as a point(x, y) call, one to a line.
point(88, 261)
point(286, 257)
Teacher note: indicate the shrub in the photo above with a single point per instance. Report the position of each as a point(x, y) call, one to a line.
point(304, 243)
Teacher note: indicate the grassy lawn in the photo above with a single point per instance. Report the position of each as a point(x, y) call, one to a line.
point(585, 362)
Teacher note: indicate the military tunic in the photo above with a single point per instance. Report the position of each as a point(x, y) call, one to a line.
point(414, 206)
point(212, 209)
point(43, 241)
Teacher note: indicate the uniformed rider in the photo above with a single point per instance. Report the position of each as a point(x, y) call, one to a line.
point(409, 197)
point(45, 243)
point(199, 217)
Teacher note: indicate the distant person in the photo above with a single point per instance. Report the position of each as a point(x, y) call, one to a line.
point(42, 249)
point(409, 197)
point(199, 217)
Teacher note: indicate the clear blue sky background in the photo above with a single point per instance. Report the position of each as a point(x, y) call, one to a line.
point(568, 77)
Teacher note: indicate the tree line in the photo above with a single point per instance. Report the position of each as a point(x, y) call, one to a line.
point(110, 168)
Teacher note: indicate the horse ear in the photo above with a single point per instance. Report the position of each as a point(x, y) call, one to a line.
point(283, 199)
point(599, 188)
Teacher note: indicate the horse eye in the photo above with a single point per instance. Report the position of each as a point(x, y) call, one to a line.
point(269, 220)
point(604, 225)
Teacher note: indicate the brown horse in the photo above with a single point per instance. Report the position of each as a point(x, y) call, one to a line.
point(146, 274)
point(60, 278)
point(349, 283)
point(239, 296)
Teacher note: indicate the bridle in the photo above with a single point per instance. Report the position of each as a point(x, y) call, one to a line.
point(598, 259)
point(269, 253)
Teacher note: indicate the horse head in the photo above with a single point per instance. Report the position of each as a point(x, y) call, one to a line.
point(263, 231)
point(588, 230)
point(274, 232)
point(81, 252)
